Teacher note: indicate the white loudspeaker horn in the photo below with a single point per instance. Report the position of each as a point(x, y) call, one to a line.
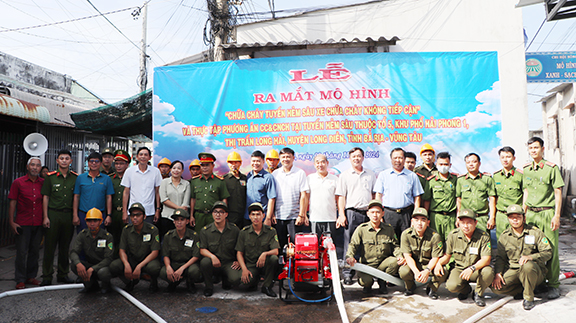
point(35, 144)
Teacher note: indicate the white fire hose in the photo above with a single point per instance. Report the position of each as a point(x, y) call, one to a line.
point(39, 289)
point(129, 297)
point(335, 270)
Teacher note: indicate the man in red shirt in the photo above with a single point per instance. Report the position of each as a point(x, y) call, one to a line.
point(25, 218)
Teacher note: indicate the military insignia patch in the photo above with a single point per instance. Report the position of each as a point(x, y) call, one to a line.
point(545, 240)
point(440, 244)
point(276, 237)
point(157, 238)
point(489, 245)
point(110, 246)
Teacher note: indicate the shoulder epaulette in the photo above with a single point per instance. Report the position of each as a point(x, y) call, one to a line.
point(245, 228)
point(219, 177)
point(52, 173)
point(430, 177)
point(455, 174)
point(520, 170)
point(74, 173)
point(461, 175)
point(197, 176)
point(551, 164)
point(420, 175)
point(526, 165)
point(498, 171)
point(487, 174)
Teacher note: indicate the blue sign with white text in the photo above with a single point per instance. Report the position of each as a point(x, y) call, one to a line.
point(551, 67)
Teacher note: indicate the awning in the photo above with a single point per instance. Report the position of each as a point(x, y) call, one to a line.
point(129, 117)
point(21, 109)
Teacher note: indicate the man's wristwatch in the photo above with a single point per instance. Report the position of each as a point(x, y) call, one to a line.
point(473, 268)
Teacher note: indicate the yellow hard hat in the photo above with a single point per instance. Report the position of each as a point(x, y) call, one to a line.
point(427, 147)
point(94, 214)
point(234, 156)
point(272, 154)
point(195, 162)
point(164, 161)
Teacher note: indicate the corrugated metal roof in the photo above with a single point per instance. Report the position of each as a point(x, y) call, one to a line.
point(343, 42)
point(21, 109)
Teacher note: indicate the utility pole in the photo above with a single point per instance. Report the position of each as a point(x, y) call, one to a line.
point(143, 78)
point(220, 28)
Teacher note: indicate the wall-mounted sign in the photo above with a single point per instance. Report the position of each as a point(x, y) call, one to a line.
point(551, 67)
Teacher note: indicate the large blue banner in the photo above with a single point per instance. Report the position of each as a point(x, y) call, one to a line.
point(329, 104)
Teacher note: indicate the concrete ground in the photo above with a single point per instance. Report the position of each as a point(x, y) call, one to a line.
point(241, 306)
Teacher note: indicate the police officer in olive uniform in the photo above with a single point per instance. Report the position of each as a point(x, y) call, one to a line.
point(139, 248)
point(206, 189)
point(236, 185)
point(472, 252)
point(107, 161)
point(421, 247)
point(91, 254)
point(542, 182)
point(181, 254)
point(58, 191)
point(257, 251)
point(428, 168)
point(217, 242)
point(475, 191)
point(377, 246)
point(508, 183)
point(121, 163)
point(521, 260)
point(440, 197)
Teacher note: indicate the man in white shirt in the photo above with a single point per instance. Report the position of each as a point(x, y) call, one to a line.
point(142, 185)
point(322, 199)
point(291, 199)
point(354, 191)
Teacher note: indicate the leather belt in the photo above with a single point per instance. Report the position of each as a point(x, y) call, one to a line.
point(481, 214)
point(539, 209)
point(402, 210)
point(445, 213)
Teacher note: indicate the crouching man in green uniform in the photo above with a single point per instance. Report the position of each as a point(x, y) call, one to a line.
point(377, 246)
point(139, 247)
point(521, 260)
point(472, 253)
point(181, 254)
point(96, 247)
point(421, 247)
point(257, 251)
point(217, 242)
